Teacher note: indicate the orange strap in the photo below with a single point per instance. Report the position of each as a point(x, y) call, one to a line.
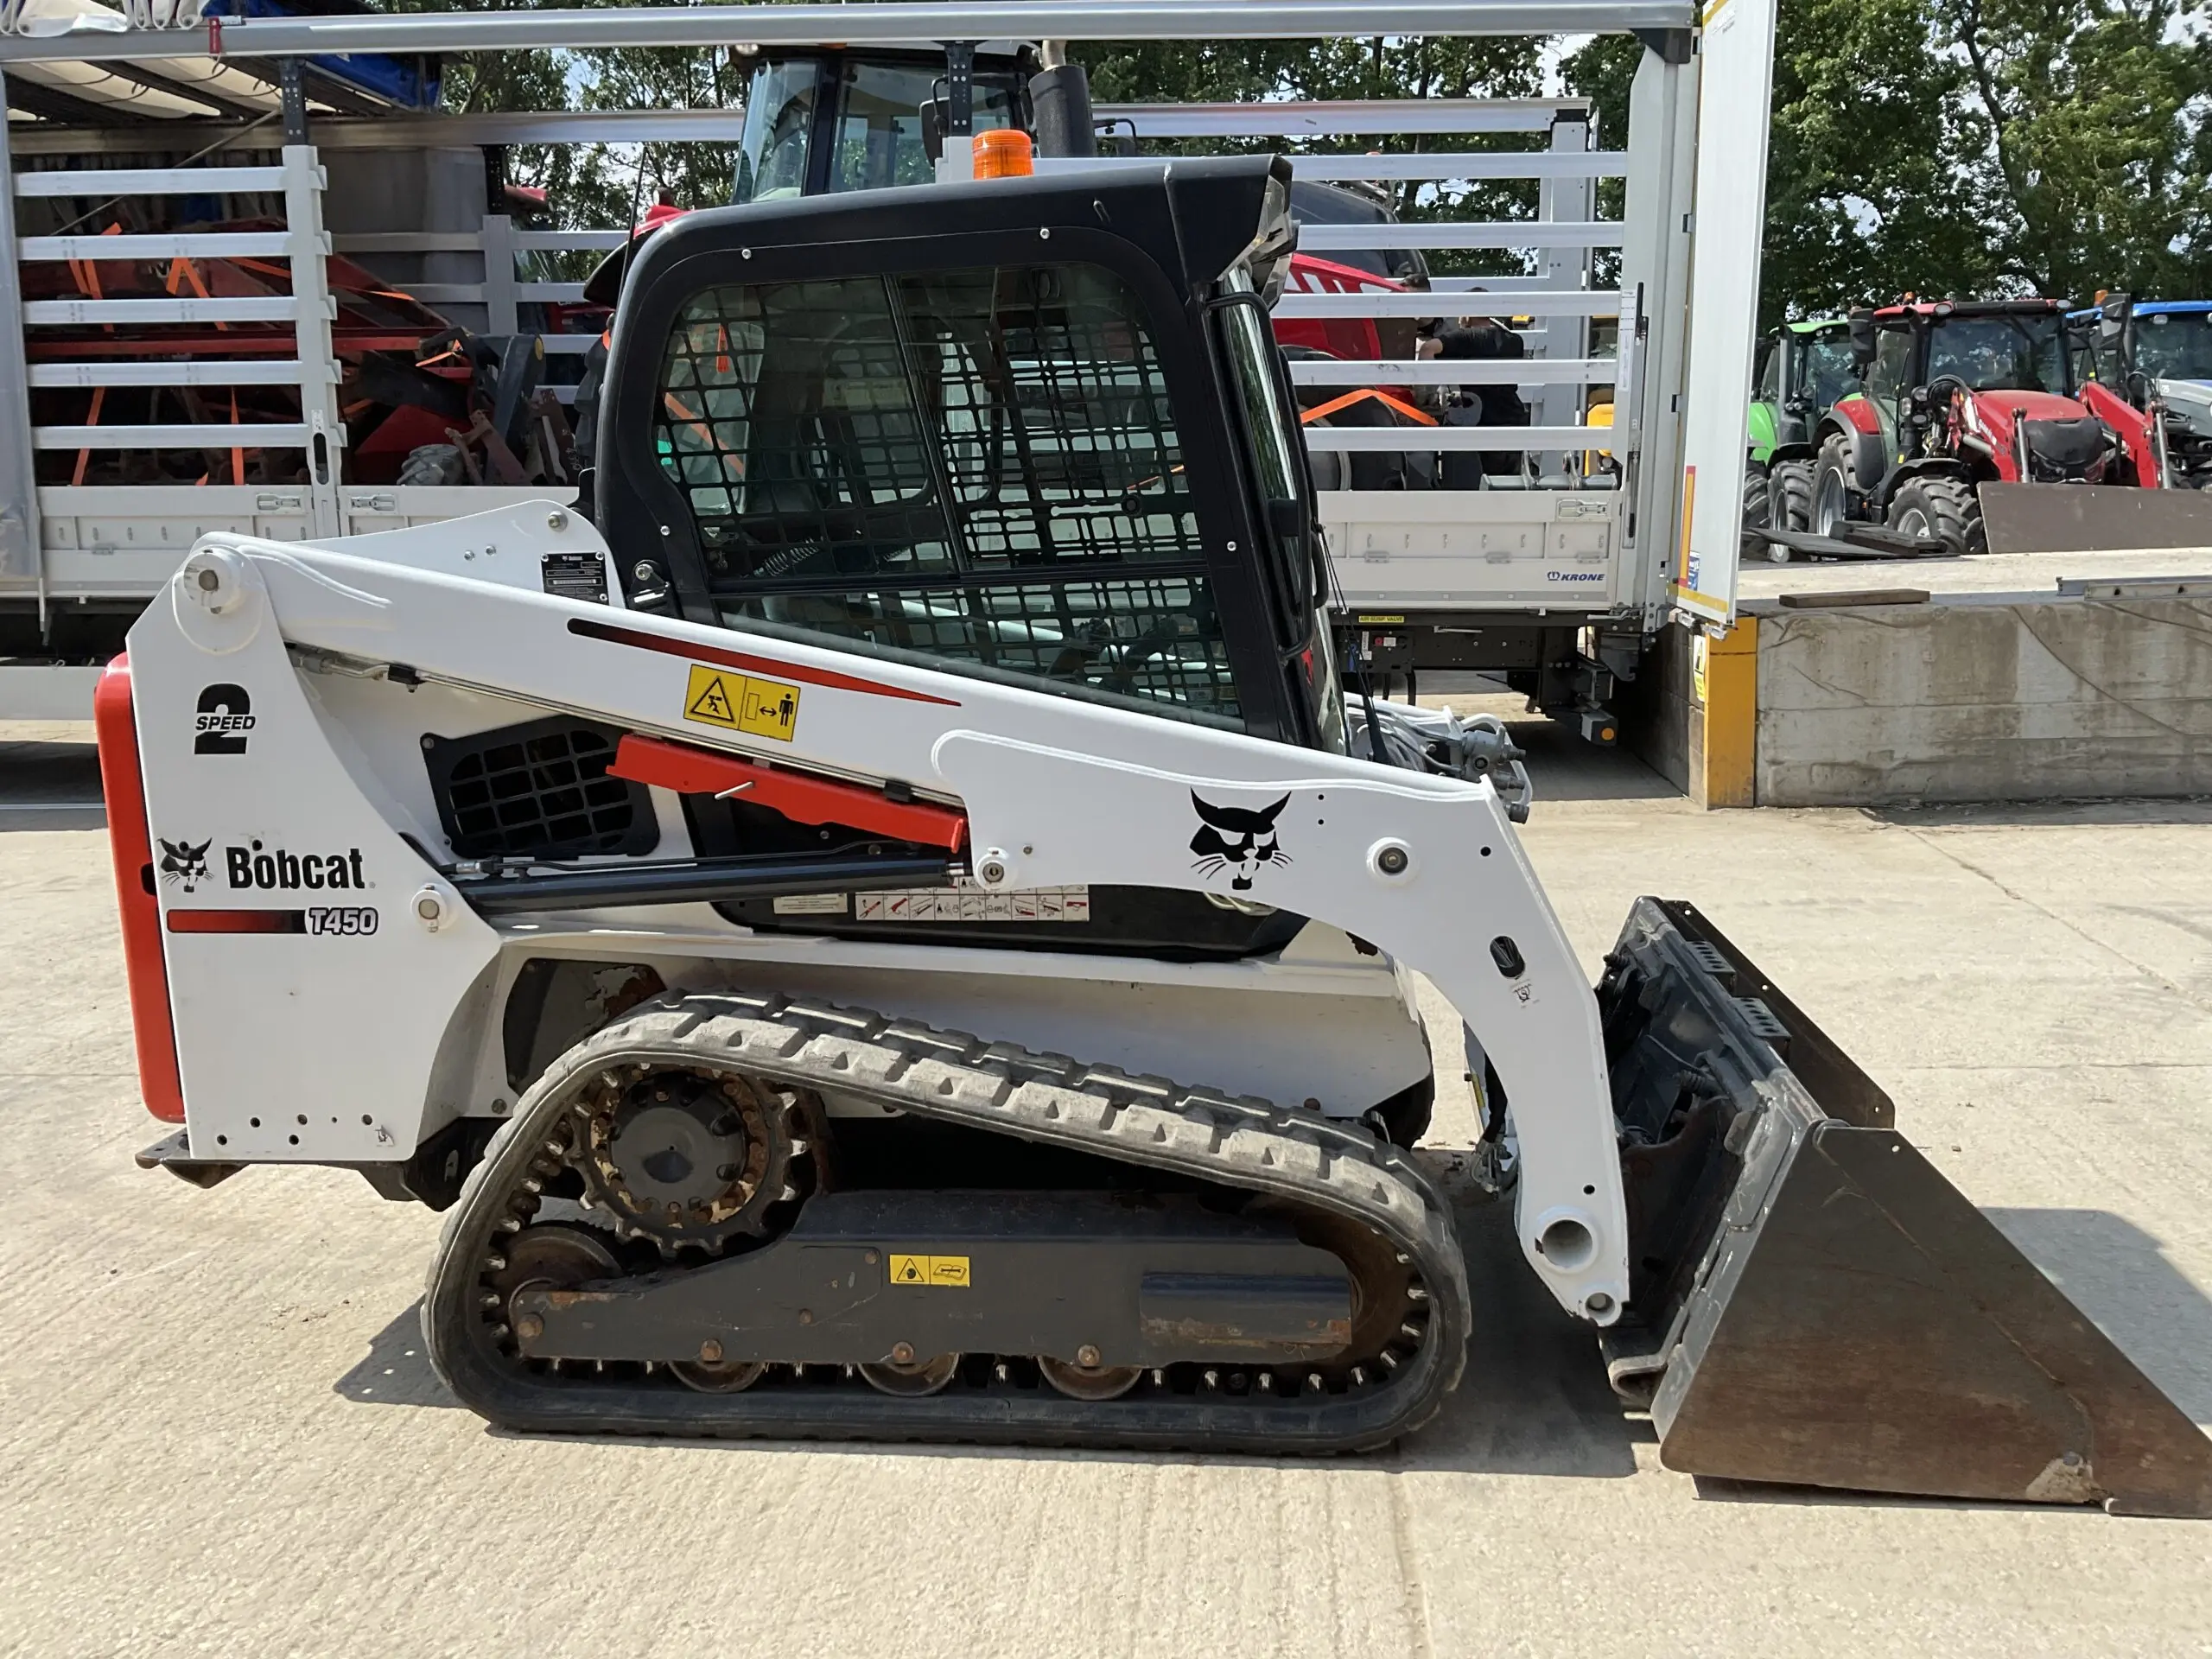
point(732, 466)
point(182, 269)
point(99, 397)
point(1322, 411)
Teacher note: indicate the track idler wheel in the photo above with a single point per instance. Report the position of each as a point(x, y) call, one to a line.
point(553, 1256)
point(911, 1378)
point(718, 1377)
point(1090, 1381)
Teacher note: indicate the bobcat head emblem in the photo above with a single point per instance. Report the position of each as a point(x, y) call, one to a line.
point(184, 863)
point(1237, 838)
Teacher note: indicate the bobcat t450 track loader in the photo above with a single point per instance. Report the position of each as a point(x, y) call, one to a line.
point(703, 907)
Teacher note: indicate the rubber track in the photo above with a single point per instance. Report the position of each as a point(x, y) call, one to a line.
point(1235, 1142)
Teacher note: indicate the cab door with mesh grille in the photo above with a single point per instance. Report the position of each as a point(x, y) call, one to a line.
point(979, 465)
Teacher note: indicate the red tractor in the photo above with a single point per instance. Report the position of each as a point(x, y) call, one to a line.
point(1956, 394)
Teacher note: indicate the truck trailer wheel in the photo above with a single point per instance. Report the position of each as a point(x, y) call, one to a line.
point(1945, 508)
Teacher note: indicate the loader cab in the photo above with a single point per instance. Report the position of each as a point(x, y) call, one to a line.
point(2155, 339)
point(1923, 352)
point(913, 421)
point(1802, 370)
point(2172, 340)
point(1028, 430)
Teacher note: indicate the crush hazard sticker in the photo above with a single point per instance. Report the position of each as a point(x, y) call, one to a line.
point(921, 1270)
point(741, 702)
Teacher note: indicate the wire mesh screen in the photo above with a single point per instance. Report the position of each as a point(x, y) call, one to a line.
point(979, 464)
point(538, 790)
point(1154, 637)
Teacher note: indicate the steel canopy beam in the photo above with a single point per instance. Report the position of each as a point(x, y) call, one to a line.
point(1442, 116)
point(881, 23)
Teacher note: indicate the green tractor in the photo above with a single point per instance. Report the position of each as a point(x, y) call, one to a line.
point(1802, 370)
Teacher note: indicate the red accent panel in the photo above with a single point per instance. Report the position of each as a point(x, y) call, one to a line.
point(746, 662)
point(237, 921)
point(1860, 413)
point(130, 844)
point(2131, 425)
point(809, 800)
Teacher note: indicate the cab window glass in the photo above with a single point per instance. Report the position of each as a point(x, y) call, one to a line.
point(1830, 375)
point(879, 122)
point(2175, 345)
point(779, 128)
point(1892, 370)
point(979, 464)
point(2001, 354)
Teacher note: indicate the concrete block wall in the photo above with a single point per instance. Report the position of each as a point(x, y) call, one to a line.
point(1964, 698)
point(1968, 700)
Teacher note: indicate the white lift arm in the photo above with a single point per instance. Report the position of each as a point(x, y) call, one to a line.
point(1055, 790)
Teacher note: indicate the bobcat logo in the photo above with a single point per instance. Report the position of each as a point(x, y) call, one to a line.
point(1236, 837)
point(184, 863)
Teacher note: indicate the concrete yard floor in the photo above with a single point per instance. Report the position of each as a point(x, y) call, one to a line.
point(218, 1434)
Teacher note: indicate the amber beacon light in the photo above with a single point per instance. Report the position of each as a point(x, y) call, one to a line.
point(1006, 153)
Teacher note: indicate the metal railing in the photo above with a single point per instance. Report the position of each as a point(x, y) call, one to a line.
point(308, 309)
point(1564, 236)
point(1565, 232)
point(883, 22)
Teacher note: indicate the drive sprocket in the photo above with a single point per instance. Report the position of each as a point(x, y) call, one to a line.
point(690, 1158)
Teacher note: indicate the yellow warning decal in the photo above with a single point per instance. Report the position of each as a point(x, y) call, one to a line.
point(929, 1269)
point(1364, 617)
point(722, 696)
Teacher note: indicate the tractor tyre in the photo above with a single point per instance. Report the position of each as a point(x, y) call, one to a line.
point(1945, 508)
point(1754, 498)
point(1790, 495)
point(1833, 491)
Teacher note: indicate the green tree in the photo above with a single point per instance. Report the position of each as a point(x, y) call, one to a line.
point(2085, 122)
point(1865, 169)
point(1952, 147)
point(1411, 67)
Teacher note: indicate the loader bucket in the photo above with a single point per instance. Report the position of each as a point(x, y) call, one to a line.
point(1812, 1303)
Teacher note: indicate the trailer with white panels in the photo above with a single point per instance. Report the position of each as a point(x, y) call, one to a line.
point(1552, 572)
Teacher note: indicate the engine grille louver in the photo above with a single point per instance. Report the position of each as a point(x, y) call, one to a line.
point(539, 790)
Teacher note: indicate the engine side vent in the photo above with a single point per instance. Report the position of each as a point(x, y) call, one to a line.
point(539, 790)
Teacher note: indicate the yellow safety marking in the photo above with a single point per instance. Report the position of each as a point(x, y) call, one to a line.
point(1728, 686)
point(708, 698)
point(721, 697)
point(1382, 619)
point(929, 1269)
point(771, 710)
